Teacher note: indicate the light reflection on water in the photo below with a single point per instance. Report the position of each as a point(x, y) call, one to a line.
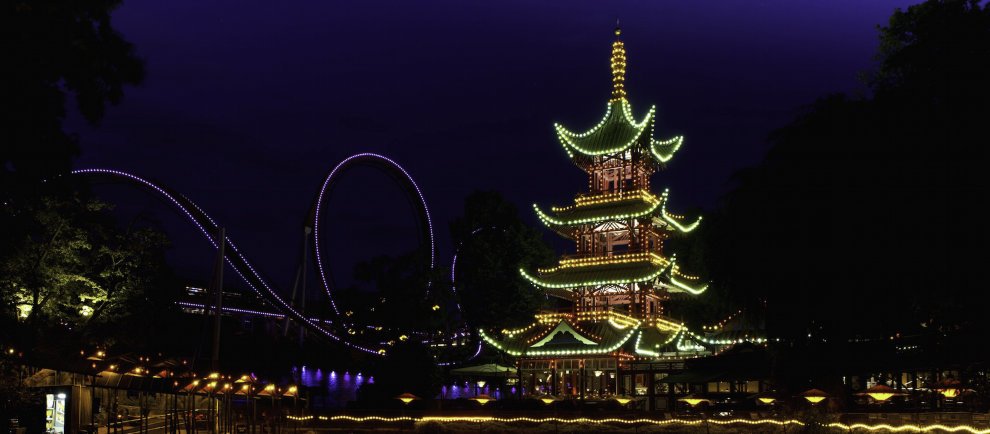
point(339, 388)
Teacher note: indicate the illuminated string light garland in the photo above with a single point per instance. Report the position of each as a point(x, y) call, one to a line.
point(686, 287)
point(622, 258)
point(673, 144)
point(911, 428)
point(641, 351)
point(512, 333)
point(552, 221)
point(670, 219)
point(617, 325)
point(614, 197)
point(672, 337)
point(625, 281)
point(618, 63)
point(722, 323)
point(580, 420)
point(613, 108)
point(604, 199)
point(493, 342)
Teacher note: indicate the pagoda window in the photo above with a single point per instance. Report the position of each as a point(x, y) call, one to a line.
point(613, 179)
point(586, 245)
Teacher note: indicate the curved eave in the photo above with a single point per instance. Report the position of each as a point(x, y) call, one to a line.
point(686, 287)
point(496, 344)
point(620, 117)
point(674, 221)
point(680, 225)
point(658, 342)
point(663, 151)
point(689, 283)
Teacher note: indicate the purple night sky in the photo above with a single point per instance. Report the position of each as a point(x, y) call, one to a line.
point(248, 104)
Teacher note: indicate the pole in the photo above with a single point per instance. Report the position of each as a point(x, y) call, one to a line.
point(92, 400)
point(218, 288)
point(302, 300)
point(299, 285)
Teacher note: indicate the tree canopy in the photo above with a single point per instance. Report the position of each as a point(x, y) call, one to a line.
point(860, 221)
point(54, 49)
point(493, 244)
point(74, 269)
point(59, 248)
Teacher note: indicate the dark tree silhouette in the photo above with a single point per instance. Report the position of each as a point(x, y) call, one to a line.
point(54, 48)
point(493, 244)
point(861, 221)
point(398, 292)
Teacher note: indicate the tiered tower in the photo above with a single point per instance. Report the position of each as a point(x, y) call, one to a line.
point(619, 278)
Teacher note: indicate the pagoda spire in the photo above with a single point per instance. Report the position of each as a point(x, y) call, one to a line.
point(618, 66)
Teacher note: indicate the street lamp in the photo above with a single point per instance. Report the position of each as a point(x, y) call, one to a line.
point(880, 392)
point(246, 381)
point(483, 399)
point(406, 398)
point(949, 388)
point(292, 392)
point(693, 400)
point(549, 399)
point(766, 398)
point(623, 399)
point(814, 396)
point(270, 390)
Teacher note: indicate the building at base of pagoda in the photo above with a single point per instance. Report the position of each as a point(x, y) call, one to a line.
point(615, 337)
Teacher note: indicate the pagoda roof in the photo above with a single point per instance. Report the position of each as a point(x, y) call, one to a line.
point(618, 270)
point(617, 132)
point(557, 334)
point(564, 336)
point(616, 206)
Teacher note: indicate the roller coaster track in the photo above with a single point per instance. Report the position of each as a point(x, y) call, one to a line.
point(401, 176)
point(453, 282)
point(208, 227)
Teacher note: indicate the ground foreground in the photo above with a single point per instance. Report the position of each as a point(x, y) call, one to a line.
point(486, 424)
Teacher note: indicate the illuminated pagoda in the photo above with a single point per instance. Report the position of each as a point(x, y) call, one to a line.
point(619, 279)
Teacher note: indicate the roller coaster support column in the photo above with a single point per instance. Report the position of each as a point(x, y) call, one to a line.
point(299, 286)
point(302, 286)
point(218, 304)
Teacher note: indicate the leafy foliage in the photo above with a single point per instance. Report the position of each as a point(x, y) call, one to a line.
point(73, 268)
